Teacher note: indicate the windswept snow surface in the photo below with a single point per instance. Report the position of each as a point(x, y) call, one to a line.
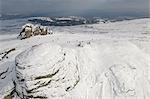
point(100, 61)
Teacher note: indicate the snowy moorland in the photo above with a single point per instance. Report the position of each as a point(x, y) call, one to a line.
point(97, 61)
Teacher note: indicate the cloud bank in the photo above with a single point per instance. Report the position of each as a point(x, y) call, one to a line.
point(75, 7)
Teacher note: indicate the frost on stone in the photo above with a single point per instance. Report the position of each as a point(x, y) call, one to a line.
point(46, 71)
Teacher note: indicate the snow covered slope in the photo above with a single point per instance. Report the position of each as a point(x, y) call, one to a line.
point(101, 61)
point(103, 71)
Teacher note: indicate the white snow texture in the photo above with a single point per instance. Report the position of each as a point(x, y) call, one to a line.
point(98, 61)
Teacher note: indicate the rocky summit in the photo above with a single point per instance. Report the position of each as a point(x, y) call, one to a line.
point(29, 30)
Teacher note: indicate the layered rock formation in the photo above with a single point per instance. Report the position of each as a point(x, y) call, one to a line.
point(54, 76)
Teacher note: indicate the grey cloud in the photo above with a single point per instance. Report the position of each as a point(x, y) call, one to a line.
point(70, 7)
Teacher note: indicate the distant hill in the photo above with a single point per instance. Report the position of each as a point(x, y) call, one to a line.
point(63, 21)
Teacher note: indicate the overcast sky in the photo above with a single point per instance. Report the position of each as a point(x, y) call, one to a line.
point(75, 7)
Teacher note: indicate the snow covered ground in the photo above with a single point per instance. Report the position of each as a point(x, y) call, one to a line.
point(99, 61)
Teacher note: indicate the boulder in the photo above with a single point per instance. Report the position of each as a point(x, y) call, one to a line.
point(50, 78)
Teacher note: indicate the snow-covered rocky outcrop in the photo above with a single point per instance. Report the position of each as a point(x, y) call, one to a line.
point(91, 71)
point(46, 71)
point(101, 61)
point(29, 30)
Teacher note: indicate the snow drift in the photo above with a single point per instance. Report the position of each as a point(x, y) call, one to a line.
point(92, 71)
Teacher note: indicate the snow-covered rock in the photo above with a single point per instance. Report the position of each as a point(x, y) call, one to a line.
point(29, 30)
point(46, 71)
